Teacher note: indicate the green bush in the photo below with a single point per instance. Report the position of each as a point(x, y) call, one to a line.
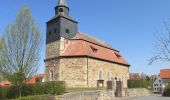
point(167, 91)
point(4, 91)
point(54, 88)
point(139, 83)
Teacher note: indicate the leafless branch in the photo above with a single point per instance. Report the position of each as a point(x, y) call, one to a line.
point(163, 47)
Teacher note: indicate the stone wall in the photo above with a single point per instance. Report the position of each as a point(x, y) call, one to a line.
point(84, 72)
point(53, 49)
point(52, 67)
point(103, 95)
point(137, 92)
point(108, 70)
point(73, 71)
point(87, 95)
point(52, 63)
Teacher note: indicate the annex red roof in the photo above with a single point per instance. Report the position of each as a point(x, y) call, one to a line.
point(83, 45)
point(33, 79)
point(165, 73)
point(5, 83)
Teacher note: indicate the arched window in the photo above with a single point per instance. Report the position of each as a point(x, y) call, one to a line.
point(100, 75)
point(51, 75)
point(108, 76)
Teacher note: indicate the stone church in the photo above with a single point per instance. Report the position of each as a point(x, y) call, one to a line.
point(77, 58)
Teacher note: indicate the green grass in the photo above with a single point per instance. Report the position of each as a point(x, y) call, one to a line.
point(44, 97)
point(36, 97)
point(81, 89)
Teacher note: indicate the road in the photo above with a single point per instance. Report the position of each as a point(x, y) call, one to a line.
point(152, 97)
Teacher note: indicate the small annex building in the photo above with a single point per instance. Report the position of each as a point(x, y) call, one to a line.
point(165, 76)
point(77, 58)
point(162, 81)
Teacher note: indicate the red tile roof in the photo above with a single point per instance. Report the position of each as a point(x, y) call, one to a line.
point(33, 79)
point(5, 83)
point(85, 37)
point(83, 45)
point(165, 73)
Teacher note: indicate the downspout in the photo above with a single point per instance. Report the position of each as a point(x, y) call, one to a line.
point(87, 71)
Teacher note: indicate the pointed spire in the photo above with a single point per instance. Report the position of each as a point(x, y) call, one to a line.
point(62, 3)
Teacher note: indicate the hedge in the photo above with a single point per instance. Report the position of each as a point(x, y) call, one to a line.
point(139, 83)
point(54, 88)
point(167, 91)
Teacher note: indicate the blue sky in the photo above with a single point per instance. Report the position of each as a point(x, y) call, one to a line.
point(127, 25)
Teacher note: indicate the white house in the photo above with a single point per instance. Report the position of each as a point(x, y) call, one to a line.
point(157, 85)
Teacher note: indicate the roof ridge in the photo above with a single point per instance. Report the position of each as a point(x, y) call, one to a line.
point(100, 42)
point(94, 38)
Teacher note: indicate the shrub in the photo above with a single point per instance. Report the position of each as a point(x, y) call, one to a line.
point(139, 83)
point(54, 88)
point(167, 91)
point(4, 91)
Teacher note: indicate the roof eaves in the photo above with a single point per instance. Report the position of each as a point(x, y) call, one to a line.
point(128, 65)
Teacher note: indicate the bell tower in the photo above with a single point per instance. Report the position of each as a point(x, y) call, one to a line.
point(59, 29)
point(61, 25)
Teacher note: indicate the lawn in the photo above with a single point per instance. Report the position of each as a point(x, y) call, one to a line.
point(44, 97)
point(82, 89)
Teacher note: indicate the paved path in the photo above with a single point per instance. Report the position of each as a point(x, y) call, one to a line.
point(152, 97)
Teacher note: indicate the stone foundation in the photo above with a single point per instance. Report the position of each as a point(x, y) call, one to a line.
point(137, 92)
point(103, 95)
point(88, 95)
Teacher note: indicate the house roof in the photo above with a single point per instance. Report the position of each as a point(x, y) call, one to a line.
point(165, 73)
point(5, 83)
point(33, 79)
point(84, 45)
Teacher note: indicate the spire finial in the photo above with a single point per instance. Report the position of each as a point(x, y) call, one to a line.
point(62, 3)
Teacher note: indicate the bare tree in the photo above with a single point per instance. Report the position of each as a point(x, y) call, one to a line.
point(0, 55)
point(21, 45)
point(162, 46)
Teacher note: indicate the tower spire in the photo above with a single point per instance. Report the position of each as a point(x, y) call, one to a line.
point(62, 8)
point(62, 3)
